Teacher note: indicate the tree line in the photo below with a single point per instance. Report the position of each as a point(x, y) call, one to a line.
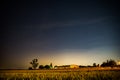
point(35, 64)
point(108, 63)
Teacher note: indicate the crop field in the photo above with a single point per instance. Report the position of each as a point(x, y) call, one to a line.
point(62, 74)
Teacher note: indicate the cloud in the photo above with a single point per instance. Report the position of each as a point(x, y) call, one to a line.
point(70, 23)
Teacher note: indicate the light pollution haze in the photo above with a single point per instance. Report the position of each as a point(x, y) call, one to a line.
point(82, 33)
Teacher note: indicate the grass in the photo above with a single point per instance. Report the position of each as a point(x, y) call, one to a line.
point(68, 74)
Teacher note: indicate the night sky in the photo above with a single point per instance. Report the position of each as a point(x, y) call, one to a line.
point(61, 32)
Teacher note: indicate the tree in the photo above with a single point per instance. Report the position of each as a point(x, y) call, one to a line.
point(34, 63)
point(94, 65)
point(98, 65)
point(41, 67)
point(47, 67)
point(51, 66)
point(112, 63)
point(103, 64)
point(109, 63)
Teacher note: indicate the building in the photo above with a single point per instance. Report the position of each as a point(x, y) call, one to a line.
point(118, 62)
point(74, 66)
point(67, 66)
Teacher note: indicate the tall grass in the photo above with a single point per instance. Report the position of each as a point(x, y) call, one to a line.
point(60, 75)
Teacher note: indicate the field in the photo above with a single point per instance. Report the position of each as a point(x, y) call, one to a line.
point(62, 74)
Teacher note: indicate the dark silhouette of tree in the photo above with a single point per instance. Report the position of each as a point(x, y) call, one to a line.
point(109, 63)
point(94, 65)
point(98, 65)
point(34, 63)
point(51, 66)
point(41, 67)
point(103, 64)
point(112, 63)
point(47, 67)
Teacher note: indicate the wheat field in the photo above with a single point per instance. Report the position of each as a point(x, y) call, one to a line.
point(62, 74)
